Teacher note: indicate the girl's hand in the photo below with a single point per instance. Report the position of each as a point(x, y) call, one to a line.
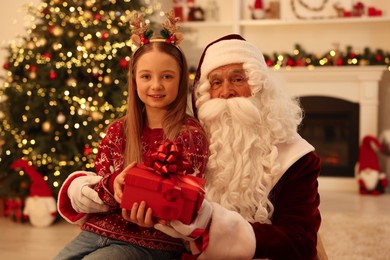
point(138, 216)
point(119, 182)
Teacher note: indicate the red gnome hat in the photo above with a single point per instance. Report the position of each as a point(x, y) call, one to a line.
point(38, 187)
point(258, 4)
point(368, 158)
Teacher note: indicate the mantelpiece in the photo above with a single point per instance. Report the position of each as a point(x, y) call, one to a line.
point(355, 84)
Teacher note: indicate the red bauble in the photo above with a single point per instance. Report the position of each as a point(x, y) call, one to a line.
point(123, 63)
point(6, 65)
point(98, 17)
point(105, 35)
point(352, 55)
point(51, 30)
point(47, 55)
point(269, 62)
point(45, 11)
point(290, 62)
point(87, 150)
point(53, 75)
point(33, 68)
point(378, 58)
point(339, 62)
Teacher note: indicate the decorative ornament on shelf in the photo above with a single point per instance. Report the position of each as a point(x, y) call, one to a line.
point(178, 6)
point(309, 8)
point(212, 11)
point(273, 10)
point(257, 10)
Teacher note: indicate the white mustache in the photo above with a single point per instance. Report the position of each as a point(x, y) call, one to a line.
point(242, 110)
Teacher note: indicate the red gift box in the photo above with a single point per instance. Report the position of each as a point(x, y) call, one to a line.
point(172, 197)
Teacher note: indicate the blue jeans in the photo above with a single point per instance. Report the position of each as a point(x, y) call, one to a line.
point(90, 246)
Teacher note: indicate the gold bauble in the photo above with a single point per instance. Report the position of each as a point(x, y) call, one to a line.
point(32, 75)
point(114, 30)
point(46, 126)
point(96, 116)
point(58, 31)
point(88, 15)
point(30, 45)
point(88, 44)
point(61, 118)
point(72, 82)
point(107, 80)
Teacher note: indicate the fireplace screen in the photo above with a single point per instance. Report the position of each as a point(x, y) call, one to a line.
point(331, 125)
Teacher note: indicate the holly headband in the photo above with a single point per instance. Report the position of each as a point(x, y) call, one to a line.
point(141, 34)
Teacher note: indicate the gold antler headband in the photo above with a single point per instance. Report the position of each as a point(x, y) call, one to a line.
point(141, 34)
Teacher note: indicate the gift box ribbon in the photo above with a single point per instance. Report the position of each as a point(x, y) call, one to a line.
point(169, 161)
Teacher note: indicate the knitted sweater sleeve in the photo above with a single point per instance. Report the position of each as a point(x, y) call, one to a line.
point(109, 161)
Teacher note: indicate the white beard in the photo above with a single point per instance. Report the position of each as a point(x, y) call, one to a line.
point(242, 157)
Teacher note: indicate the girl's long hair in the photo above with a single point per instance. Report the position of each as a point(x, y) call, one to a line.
point(135, 116)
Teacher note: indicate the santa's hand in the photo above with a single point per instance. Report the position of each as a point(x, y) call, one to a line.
point(189, 232)
point(83, 197)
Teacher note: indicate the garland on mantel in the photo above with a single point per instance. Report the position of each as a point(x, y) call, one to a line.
point(334, 57)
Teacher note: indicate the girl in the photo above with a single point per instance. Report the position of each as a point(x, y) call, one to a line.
point(156, 112)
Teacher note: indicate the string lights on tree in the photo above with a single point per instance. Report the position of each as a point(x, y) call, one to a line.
point(63, 84)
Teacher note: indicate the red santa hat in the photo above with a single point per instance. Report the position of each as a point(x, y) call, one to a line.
point(40, 206)
point(368, 158)
point(226, 50)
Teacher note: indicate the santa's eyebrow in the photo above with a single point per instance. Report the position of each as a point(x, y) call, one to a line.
point(233, 71)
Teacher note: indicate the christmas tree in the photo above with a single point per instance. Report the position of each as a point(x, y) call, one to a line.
point(63, 84)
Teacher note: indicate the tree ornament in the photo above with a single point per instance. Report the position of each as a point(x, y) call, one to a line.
point(107, 80)
point(31, 45)
point(87, 150)
point(71, 82)
point(124, 63)
point(47, 55)
point(53, 75)
point(46, 126)
point(32, 75)
point(88, 15)
point(89, 44)
point(97, 17)
point(61, 118)
point(96, 116)
point(105, 35)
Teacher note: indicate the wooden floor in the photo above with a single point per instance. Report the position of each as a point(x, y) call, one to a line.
point(22, 241)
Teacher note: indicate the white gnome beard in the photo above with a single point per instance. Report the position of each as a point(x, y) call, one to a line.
point(238, 175)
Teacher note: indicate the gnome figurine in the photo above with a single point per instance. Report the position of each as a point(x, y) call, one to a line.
point(370, 176)
point(40, 206)
point(257, 10)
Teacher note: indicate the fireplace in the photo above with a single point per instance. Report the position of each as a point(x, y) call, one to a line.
point(331, 125)
point(341, 105)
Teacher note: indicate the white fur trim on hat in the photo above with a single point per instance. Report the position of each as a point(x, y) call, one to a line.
point(229, 52)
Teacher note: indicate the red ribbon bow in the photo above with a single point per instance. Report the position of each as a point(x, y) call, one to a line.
point(168, 159)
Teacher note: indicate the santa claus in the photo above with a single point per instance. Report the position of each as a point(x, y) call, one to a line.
point(370, 177)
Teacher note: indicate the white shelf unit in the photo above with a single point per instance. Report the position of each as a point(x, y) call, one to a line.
point(280, 35)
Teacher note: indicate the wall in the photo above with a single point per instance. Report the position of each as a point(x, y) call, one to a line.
point(13, 22)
